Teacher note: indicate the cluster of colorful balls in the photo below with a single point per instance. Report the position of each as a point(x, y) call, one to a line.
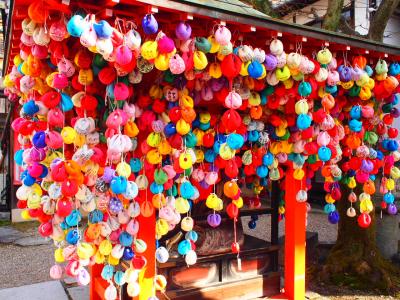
point(94, 146)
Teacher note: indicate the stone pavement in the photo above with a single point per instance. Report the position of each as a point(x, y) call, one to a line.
point(75, 291)
point(49, 290)
point(79, 292)
point(9, 234)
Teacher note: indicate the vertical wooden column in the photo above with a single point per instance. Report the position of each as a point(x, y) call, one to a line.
point(295, 239)
point(147, 232)
point(274, 196)
point(97, 284)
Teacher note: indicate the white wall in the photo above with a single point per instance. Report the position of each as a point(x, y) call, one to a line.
point(304, 16)
point(392, 32)
point(362, 19)
point(361, 16)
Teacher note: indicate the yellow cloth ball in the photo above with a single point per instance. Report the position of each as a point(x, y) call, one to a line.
point(84, 250)
point(238, 202)
point(58, 255)
point(182, 205)
point(68, 135)
point(366, 206)
point(185, 161)
point(162, 227)
point(182, 127)
point(99, 258)
point(105, 247)
point(25, 215)
point(112, 260)
point(123, 169)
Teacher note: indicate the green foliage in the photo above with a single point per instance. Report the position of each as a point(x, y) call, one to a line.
point(5, 222)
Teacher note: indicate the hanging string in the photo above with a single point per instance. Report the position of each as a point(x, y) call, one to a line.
point(130, 25)
point(77, 224)
point(165, 295)
point(239, 261)
point(299, 47)
point(45, 19)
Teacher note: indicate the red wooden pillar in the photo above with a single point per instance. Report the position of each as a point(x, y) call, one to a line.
point(97, 284)
point(295, 239)
point(147, 233)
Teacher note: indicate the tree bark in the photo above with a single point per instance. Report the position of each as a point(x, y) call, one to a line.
point(333, 13)
point(346, 28)
point(355, 260)
point(263, 6)
point(380, 19)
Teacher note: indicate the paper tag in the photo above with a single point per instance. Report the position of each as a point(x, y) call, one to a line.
point(239, 263)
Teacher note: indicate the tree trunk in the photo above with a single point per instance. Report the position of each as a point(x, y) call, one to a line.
point(380, 19)
point(263, 6)
point(333, 13)
point(355, 260)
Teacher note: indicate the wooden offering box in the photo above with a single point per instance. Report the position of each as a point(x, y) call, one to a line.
point(217, 276)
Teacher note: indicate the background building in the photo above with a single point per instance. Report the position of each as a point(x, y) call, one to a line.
point(357, 14)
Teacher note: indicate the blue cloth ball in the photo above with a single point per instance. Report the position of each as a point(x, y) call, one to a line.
point(255, 69)
point(72, 237)
point(39, 139)
point(95, 216)
point(324, 153)
point(125, 239)
point(73, 218)
point(107, 272)
point(18, 157)
point(30, 107)
point(186, 190)
point(103, 29)
point(252, 224)
point(235, 141)
point(333, 217)
point(184, 247)
point(128, 253)
point(118, 184)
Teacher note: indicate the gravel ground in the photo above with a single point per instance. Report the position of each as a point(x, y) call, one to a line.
point(25, 265)
point(343, 293)
point(358, 297)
